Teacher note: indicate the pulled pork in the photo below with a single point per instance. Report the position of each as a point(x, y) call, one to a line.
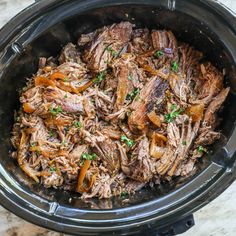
point(123, 109)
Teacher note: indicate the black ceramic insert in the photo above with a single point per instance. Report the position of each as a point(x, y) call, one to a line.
point(42, 30)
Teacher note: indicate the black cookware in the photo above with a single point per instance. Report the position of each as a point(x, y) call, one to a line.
point(41, 30)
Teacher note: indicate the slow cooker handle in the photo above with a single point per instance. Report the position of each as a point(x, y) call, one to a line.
point(178, 227)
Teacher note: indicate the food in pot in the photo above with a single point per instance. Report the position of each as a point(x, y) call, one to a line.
point(123, 109)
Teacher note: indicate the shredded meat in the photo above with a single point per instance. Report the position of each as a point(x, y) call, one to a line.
point(123, 109)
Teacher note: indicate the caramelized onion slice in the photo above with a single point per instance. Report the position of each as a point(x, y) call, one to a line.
point(154, 118)
point(20, 158)
point(43, 81)
point(82, 174)
point(156, 151)
point(47, 153)
point(158, 144)
point(196, 112)
point(31, 172)
point(28, 108)
point(85, 86)
point(57, 75)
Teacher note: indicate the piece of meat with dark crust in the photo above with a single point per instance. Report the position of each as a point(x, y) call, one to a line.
point(140, 42)
point(87, 38)
point(124, 86)
point(129, 77)
point(107, 43)
point(206, 137)
point(162, 39)
point(69, 53)
point(189, 59)
point(208, 83)
point(210, 114)
point(106, 150)
point(180, 138)
point(152, 91)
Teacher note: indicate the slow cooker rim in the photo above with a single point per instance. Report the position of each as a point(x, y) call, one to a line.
point(4, 31)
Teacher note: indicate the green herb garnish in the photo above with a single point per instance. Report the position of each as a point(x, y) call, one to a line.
point(66, 96)
point(133, 94)
point(53, 169)
point(51, 134)
point(63, 143)
point(89, 157)
point(100, 77)
point(174, 66)
point(130, 143)
point(158, 54)
point(112, 51)
point(123, 194)
point(184, 142)
point(55, 111)
point(201, 149)
point(65, 79)
point(130, 77)
point(78, 125)
point(33, 144)
point(174, 113)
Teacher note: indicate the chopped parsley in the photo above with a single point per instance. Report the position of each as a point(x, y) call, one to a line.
point(33, 144)
point(130, 77)
point(184, 142)
point(133, 94)
point(63, 143)
point(65, 96)
point(90, 157)
point(173, 114)
point(55, 111)
point(201, 149)
point(123, 194)
point(53, 169)
point(78, 125)
point(158, 54)
point(66, 79)
point(174, 66)
point(52, 133)
point(100, 77)
point(129, 142)
point(112, 51)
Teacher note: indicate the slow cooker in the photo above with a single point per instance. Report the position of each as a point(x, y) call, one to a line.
point(41, 30)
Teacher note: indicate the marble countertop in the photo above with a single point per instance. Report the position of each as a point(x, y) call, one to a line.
point(218, 218)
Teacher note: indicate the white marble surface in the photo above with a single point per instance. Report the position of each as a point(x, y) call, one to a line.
point(216, 219)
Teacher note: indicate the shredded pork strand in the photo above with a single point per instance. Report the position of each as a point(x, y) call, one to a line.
point(124, 109)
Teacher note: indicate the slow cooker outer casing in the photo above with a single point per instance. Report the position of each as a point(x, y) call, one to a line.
point(42, 30)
